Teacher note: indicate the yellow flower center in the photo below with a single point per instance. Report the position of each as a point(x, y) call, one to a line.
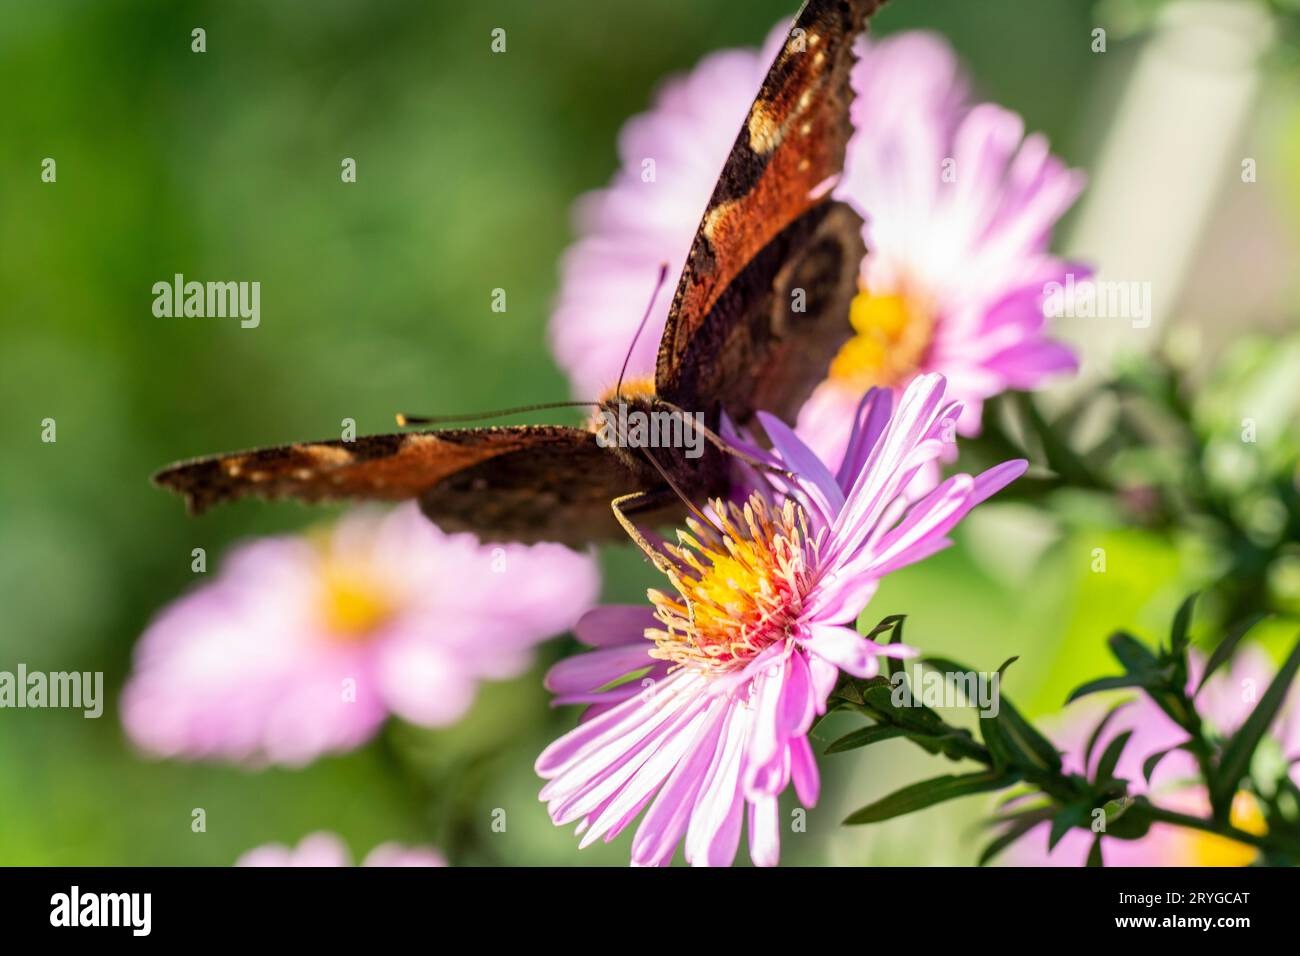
point(893, 333)
point(354, 604)
point(740, 586)
point(1209, 849)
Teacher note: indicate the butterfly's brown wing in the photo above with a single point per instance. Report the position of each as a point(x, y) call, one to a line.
point(735, 334)
point(526, 483)
point(770, 337)
point(730, 338)
point(557, 490)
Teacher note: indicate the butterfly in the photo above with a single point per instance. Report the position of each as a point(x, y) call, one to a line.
point(733, 342)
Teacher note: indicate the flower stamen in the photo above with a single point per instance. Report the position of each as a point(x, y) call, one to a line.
point(740, 585)
point(893, 334)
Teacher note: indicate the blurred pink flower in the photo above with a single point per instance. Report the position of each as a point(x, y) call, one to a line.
point(303, 645)
point(630, 228)
point(725, 676)
point(1226, 700)
point(959, 205)
point(326, 849)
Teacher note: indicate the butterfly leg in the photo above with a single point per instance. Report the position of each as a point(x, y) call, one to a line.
point(643, 501)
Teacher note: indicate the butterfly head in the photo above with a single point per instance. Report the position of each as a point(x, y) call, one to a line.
point(630, 401)
point(633, 422)
point(639, 391)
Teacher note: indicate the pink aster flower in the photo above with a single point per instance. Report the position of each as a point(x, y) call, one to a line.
point(959, 205)
point(303, 645)
point(703, 701)
point(631, 228)
point(327, 850)
point(1224, 703)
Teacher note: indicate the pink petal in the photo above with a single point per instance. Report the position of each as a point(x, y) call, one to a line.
point(803, 772)
point(824, 677)
point(629, 717)
point(797, 708)
point(764, 832)
point(613, 624)
point(660, 831)
point(649, 776)
point(843, 647)
point(800, 459)
point(595, 669)
point(713, 834)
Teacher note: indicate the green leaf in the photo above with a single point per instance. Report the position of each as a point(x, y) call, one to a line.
point(1010, 835)
point(1110, 757)
point(853, 689)
point(1116, 816)
point(1132, 653)
point(948, 669)
point(1178, 639)
point(865, 737)
point(944, 666)
point(1149, 765)
point(1098, 730)
point(1094, 855)
point(1018, 797)
point(1128, 819)
point(914, 717)
point(1118, 682)
point(1066, 819)
point(1060, 457)
point(1011, 740)
point(891, 623)
point(927, 793)
point(1235, 762)
point(847, 693)
point(995, 739)
point(922, 726)
point(1030, 746)
point(1228, 645)
point(896, 665)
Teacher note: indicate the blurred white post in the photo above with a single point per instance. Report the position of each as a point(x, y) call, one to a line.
point(1170, 148)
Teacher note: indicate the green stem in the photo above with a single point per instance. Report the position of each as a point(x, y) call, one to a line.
point(1264, 842)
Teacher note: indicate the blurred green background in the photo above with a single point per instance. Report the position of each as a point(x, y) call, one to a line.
point(375, 299)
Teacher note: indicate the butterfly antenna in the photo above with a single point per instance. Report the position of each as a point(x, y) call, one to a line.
point(677, 489)
point(403, 420)
point(659, 284)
